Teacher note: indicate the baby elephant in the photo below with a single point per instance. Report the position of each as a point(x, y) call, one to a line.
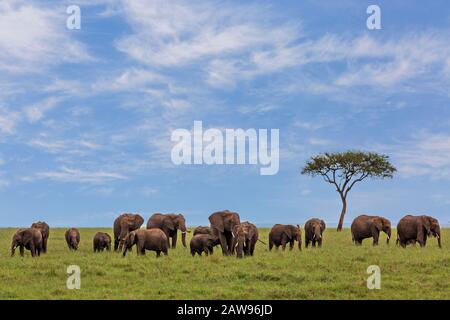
point(102, 241)
point(202, 243)
point(245, 236)
point(146, 239)
point(30, 239)
point(313, 232)
point(281, 234)
point(72, 238)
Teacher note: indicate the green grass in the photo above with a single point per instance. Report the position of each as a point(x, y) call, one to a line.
point(337, 271)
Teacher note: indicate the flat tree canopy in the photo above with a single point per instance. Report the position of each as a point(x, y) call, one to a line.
point(345, 169)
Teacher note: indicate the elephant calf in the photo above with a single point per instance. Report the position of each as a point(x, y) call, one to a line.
point(365, 226)
point(72, 238)
point(30, 239)
point(146, 239)
point(202, 243)
point(102, 241)
point(281, 234)
point(314, 229)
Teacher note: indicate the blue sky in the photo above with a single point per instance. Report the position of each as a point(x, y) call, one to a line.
point(86, 115)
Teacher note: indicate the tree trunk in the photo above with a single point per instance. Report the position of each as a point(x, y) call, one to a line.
point(344, 209)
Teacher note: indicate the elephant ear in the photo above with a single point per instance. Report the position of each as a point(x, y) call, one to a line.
point(168, 223)
point(288, 232)
point(322, 224)
point(426, 223)
point(216, 221)
point(378, 223)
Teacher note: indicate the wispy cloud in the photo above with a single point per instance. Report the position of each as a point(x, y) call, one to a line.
point(34, 36)
point(425, 154)
point(65, 174)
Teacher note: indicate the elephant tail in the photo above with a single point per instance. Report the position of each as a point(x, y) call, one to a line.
point(262, 242)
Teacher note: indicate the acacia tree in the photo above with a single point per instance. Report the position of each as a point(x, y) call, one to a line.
point(345, 169)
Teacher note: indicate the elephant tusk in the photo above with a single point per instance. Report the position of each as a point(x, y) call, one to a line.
point(233, 235)
point(437, 236)
point(388, 237)
point(183, 231)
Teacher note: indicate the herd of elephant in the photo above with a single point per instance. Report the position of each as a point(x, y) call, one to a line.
point(226, 230)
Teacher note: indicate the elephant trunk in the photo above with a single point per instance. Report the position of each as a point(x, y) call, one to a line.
point(438, 236)
point(124, 249)
point(299, 239)
point(388, 236)
point(13, 248)
point(183, 234)
point(317, 234)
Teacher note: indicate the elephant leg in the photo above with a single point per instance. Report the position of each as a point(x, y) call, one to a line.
point(211, 250)
point(223, 244)
point(32, 250)
point(306, 243)
point(252, 247)
point(174, 240)
point(283, 244)
point(158, 253)
point(270, 245)
point(230, 241)
point(375, 236)
point(319, 243)
point(314, 243)
point(291, 244)
point(116, 243)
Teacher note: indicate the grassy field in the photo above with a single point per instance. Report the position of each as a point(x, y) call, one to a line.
point(337, 271)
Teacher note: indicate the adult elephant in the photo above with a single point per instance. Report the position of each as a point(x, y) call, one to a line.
point(30, 239)
point(245, 236)
point(314, 229)
point(222, 224)
point(169, 223)
point(365, 226)
point(45, 231)
point(124, 224)
point(417, 228)
point(72, 236)
point(281, 234)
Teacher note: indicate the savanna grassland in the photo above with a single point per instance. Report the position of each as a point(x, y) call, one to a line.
point(337, 271)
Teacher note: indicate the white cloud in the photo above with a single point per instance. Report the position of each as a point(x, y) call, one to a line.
point(37, 111)
point(178, 33)
point(425, 154)
point(8, 121)
point(80, 176)
point(33, 36)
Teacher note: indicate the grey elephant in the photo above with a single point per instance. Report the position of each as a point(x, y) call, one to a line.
point(45, 231)
point(101, 242)
point(170, 224)
point(222, 224)
point(245, 236)
point(208, 231)
point(314, 229)
point(146, 239)
point(281, 234)
point(124, 224)
point(365, 226)
point(72, 236)
point(30, 239)
point(202, 243)
point(417, 228)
